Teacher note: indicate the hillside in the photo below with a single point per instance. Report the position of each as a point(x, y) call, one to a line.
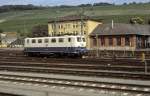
point(23, 21)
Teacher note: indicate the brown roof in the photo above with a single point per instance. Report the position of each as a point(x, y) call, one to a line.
point(69, 18)
point(121, 29)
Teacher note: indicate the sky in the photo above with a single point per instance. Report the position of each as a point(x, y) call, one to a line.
point(63, 2)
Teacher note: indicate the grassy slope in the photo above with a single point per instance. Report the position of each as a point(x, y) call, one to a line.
point(25, 20)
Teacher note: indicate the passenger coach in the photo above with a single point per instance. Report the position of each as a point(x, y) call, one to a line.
point(59, 45)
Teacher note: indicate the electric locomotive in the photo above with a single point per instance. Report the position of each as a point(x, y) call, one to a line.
point(58, 45)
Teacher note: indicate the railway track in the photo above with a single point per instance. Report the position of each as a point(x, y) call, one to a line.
point(127, 62)
point(79, 66)
point(118, 68)
point(94, 85)
point(98, 68)
point(80, 72)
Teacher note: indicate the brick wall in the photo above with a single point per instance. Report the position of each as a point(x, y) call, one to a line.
point(114, 38)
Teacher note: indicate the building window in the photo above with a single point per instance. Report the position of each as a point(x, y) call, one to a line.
point(61, 26)
point(110, 41)
point(84, 25)
point(94, 42)
point(61, 40)
point(74, 26)
point(68, 25)
point(118, 41)
point(53, 40)
point(33, 41)
point(84, 32)
point(140, 42)
point(102, 41)
point(127, 41)
point(39, 40)
point(53, 26)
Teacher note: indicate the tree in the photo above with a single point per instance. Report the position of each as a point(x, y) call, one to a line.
point(1, 31)
point(133, 3)
point(136, 20)
point(102, 4)
point(125, 4)
point(85, 5)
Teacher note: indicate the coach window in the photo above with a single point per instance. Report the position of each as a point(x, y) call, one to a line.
point(69, 39)
point(61, 40)
point(53, 40)
point(39, 40)
point(33, 41)
point(46, 40)
point(78, 39)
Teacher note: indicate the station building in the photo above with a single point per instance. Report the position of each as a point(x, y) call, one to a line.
point(73, 24)
point(120, 36)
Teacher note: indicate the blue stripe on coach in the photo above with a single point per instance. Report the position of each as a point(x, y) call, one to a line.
point(56, 49)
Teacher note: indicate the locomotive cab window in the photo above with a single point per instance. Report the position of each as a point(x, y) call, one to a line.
point(46, 40)
point(78, 39)
point(61, 40)
point(39, 40)
point(33, 41)
point(53, 40)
